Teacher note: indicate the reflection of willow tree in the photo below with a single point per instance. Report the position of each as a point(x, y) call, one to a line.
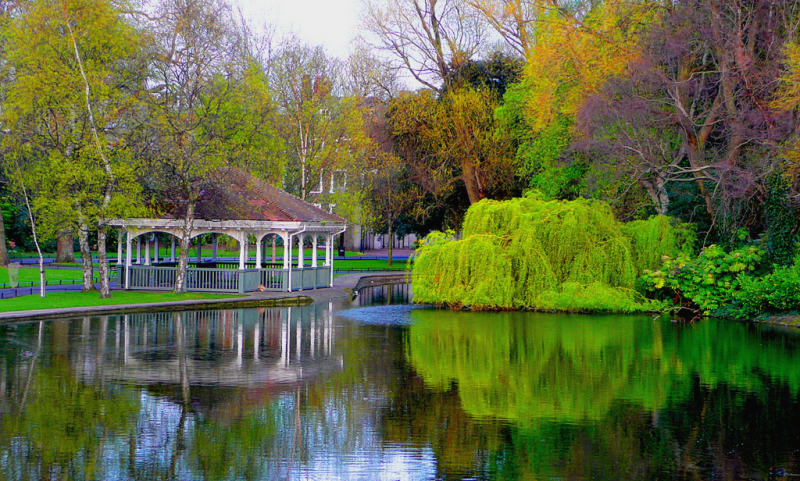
point(63, 422)
point(550, 368)
point(529, 368)
point(613, 398)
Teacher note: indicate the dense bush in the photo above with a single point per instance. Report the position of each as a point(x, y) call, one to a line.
point(708, 282)
point(772, 293)
point(529, 253)
point(780, 222)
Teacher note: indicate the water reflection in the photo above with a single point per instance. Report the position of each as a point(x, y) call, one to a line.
point(384, 294)
point(244, 347)
point(347, 391)
point(594, 397)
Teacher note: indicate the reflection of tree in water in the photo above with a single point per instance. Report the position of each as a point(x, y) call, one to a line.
point(612, 398)
point(181, 429)
point(485, 395)
point(434, 419)
point(57, 425)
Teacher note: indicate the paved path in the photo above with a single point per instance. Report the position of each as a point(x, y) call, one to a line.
point(342, 288)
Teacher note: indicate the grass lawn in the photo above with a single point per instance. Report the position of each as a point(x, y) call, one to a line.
point(31, 274)
point(368, 265)
point(59, 300)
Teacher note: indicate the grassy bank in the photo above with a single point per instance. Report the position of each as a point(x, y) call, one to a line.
point(31, 274)
point(368, 265)
point(62, 300)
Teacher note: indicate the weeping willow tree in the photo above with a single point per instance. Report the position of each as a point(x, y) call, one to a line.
point(529, 253)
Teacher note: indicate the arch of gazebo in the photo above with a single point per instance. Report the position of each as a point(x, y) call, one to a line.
point(295, 273)
point(243, 208)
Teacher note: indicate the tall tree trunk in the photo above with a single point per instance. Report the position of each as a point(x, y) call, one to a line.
point(470, 177)
point(65, 251)
point(42, 278)
point(86, 257)
point(391, 243)
point(183, 259)
point(3, 250)
point(102, 258)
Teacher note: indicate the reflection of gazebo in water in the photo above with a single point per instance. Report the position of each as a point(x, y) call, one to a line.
point(239, 206)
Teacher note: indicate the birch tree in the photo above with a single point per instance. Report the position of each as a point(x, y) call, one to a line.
point(68, 89)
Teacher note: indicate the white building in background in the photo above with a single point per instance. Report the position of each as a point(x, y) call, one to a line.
point(356, 238)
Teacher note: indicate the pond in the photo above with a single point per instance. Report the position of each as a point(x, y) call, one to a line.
point(376, 389)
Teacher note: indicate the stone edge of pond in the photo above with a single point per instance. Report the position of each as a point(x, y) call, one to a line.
point(240, 303)
point(786, 320)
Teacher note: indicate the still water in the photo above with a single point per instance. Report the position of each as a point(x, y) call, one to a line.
point(375, 389)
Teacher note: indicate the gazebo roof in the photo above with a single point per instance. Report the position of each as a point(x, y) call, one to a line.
point(237, 195)
point(234, 201)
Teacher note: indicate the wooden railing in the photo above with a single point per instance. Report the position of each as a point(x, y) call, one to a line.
point(226, 279)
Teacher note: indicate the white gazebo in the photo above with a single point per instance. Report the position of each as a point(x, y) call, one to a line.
point(245, 209)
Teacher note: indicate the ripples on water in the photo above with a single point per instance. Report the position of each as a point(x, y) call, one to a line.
point(375, 389)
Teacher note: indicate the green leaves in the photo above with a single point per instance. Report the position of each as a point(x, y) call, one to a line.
point(709, 281)
point(529, 253)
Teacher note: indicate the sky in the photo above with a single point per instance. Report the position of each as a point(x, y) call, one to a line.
point(330, 23)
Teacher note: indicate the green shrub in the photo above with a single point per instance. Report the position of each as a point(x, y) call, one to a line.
point(773, 293)
point(709, 281)
point(530, 253)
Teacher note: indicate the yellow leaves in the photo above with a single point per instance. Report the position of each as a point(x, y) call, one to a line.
point(572, 56)
point(789, 96)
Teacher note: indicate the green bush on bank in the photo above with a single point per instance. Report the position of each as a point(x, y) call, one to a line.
point(727, 284)
point(530, 253)
point(773, 293)
point(709, 282)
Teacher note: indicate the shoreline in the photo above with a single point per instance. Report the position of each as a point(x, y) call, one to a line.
point(343, 287)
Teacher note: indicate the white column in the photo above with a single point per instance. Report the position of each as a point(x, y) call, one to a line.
point(119, 247)
point(289, 262)
point(328, 250)
point(330, 283)
point(214, 245)
point(242, 247)
point(155, 256)
point(286, 251)
point(300, 260)
point(147, 251)
point(139, 250)
point(258, 251)
point(172, 250)
point(314, 250)
point(274, 245)
point(128, 260)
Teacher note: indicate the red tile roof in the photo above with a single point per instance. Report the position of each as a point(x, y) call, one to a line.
point(236, 195)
